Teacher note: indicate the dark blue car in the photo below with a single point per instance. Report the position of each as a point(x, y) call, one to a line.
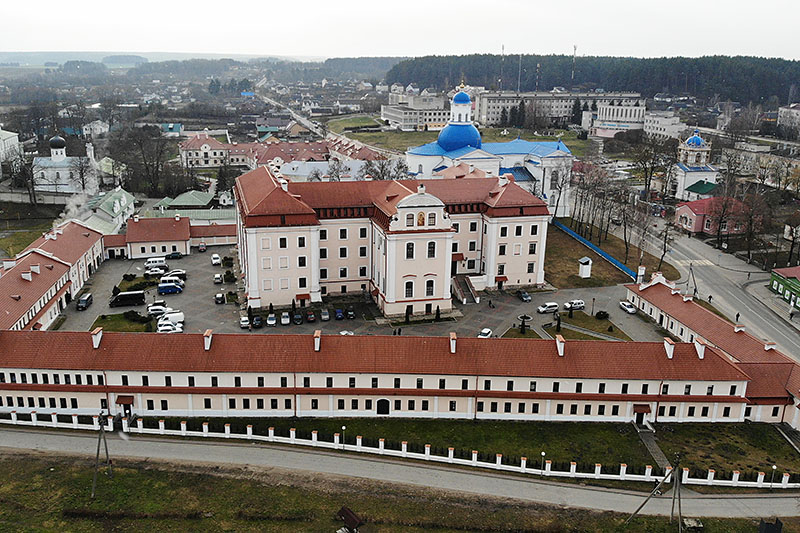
point(339, 314)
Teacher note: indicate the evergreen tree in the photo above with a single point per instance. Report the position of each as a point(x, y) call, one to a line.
point(214, 86)
point(521, 114)
point(504, 117)
point(576, 111)
point(512, 118)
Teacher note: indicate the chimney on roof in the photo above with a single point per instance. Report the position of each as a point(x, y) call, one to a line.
point(769, 346)
point(177, 217)
point(687, 298)
point(560, 345)
point(738, 327)
point(674, 291)
point(8, 263)
point(284, 184)
point(700, 347)
point(136, 218)
point(669, 346)
point(207, 339)
point(421, 188)
point(502, 181)
point(97, 334)
point(27, 276)
point(317, 339)
point(36, 269)
point(453, 342)
point(54, 236)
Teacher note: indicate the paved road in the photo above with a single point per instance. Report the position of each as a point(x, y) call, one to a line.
point(487, 484)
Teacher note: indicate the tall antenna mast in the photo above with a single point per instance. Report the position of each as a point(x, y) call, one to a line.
point(574, 52)
point(519, 73)
point(502, 62)
point(537, 76)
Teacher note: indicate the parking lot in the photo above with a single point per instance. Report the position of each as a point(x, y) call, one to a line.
point(197, 303)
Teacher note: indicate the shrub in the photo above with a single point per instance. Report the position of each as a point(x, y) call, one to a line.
point(129, 277)
point(134, 316)
point(229, 277)
point(227, 261)
point(601, 315)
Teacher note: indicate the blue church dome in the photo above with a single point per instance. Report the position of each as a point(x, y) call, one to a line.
point(455, 136)
point(461, 98)
point(695, 140)
point(57, 141)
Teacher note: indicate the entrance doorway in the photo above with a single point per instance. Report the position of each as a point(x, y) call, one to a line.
point(640, 419)
point(499, 285)
point(453, 268)
point(383, 407)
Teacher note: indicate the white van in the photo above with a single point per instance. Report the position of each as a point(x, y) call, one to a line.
point(156, 262)
point(175, 317)
point(172, 279)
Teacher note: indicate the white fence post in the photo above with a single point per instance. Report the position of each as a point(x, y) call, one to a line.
point(314, 438)
point(685, 476)
point(710, 477)
point(623, 470)
point(54, 419)
point(427, 452)
point(597, 468)
point(183, 428)
point(648, 472)
point(735, 478)
point(271, 434)
point(785, 480)
point(125, 424)
point(760, 481)
point(140, 425)
point(227, 431)
point(33, 418)
point(161, 427)
point(547, 466)
point(358, 443)
point(404, 448)
point(474, 457)
point(572, 468)
point(75, 421)
point(292, 434)
point(95, 422)
point(450, 454)
point(335, 440)
point(205, 429)
point(14, 417)
point(381, 445)
point(249, 431)
point(110, 423)
point(498, 460)
point(523, 464)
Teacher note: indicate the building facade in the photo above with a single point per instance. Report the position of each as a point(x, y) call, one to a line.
point(789, 116)
point(786, 283)
point(618, 116)
point(414, 113)
point(61, 173)
point(10, 148)
point(693, 167)
point(400, 241)
point(663, 124)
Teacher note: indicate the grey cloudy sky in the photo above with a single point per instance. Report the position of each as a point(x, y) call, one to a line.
point(335, 28)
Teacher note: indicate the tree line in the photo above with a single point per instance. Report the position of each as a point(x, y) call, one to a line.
point(740, 78)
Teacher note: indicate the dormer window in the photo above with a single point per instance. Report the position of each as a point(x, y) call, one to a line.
point(431, 219)
point(410, 220)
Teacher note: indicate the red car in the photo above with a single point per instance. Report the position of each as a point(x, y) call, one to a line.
point(201, 247)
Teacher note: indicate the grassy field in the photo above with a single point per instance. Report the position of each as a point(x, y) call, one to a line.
point(561, 264)
point(15, 242)
point(17, 216)
point(124, 285)
point(570, 334)
point(338, 125)
point(514, 333)
point(616, 247)
point(117, 322)
point(52, 494)
point(585, 321)
point(744, 447)
point(590, 443)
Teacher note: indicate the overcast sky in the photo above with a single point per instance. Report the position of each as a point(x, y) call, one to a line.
point(337, 28)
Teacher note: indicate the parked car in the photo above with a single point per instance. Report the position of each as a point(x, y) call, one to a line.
point(523, 295)
point(547, 307)
point(201, 247)
point(258, 321)
point(339, 314)
point(219, 298)
point(485, 333)
point(272, 320)
point(351, 313)
point(310, 316)
point(155, 272)
point(172, 279)
point(173, 315)
point(346, 332)
point(324, 315)
point(169, 327)
point(178, 273)
point(169, 288)
point(156, 262)
point(297, 318)
point(628, 307)
point(216, 259)
point(218, 279)
point(285, 319)
point(127, 298)
point(84, 302)
point(574, 305)
point(174, 255)
point(156, 310)
point(244, 322)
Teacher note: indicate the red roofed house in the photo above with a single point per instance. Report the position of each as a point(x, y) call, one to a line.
point(703, 216)
point(401, 241)
point(33, 290)
point(154, 237)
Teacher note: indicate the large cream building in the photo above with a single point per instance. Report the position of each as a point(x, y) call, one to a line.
point(401, 241)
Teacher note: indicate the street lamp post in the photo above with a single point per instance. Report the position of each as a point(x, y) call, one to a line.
point(343, 428)
point(543, 454)
point(772, 478)
point(592, 306)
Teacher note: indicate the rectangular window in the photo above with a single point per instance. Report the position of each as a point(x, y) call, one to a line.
point(284, 381)
point(314, 404)
point(487, 384)
point(273, 403)
point(774, 411)
point(579, 387)
point(214, 381)
point(323, 273)
point(323, 235)
point(323, 253)
point(672, 410)
point(573, 409)
point(351, 382)
point(518, 231)
point(533, 386)
point(704, 411)
point(368, 405)
point(343, 252)
point(615, 410)
point(287, 403)
point(464, 384)
point(690, 411)
point(710, 390)
point(531, 268)
point(501, 250)
point(282, 243)
point(587, 409)
point(645, 387)
point(504, 231)
point(507, 407)
point(306, 382)
point(374, 383)
point(662, 410)
point(412, 405)
point(601, 388)
point(301, 242)
point(733, 390)
point(726, 412)
point(150, 405)
point(419, 383)
point(665, 388)
point(473, 226)
point(362, 233)
point(301, 261)
point(260, 381)
point(77, 379)
point(67, 380)
point(301, 283)
point(237, 381)
point(531, 248)
point(560, 409)
point(362, 251)
point(124, 380)
point(687, 390)
point(343, 273)
point(340, 403)
point(441, 383)
point(425, 405)
point(555, 386)
point(362, 272)
point(534, 229)
point(480, 407)
point(231, 403)
point(354, 404)
point(246, 403)
point(396, 383)
point(493, 407)
point(624, 388)
point(535, 408)
point(329, 382)
point(343, 234)
point(259, 403)
point(398, 405)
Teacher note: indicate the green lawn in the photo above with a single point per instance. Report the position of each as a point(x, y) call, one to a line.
point(561, 264)
point(585, 321)
point(124, 285)
point(15, 242)
point(745, 447)
point(338, 125)
point(570, 334)
point(17, 216)
point(514, 333)
point(52, 494)
point(117, 322)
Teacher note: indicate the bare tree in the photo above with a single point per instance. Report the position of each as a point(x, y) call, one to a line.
point(25, 173)
point(384, 169)
point(82, 172)
point(666, 235)
point(649, 158)
point(752, 214)
point(315, 175)
point(335, 170)
point(793, 229)
point(560, 177)
point(145, 152)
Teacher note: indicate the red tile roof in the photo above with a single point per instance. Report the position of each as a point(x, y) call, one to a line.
point(368, 354)
point(213, 230)
point(789, 272)
point(768, 379)
point(114, 241)
point(706, 206)
point(12, 285)
point(197, 141)
point(157, 229)
point(67, 241)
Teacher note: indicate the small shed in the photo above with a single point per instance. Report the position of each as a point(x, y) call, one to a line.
point(585, 267)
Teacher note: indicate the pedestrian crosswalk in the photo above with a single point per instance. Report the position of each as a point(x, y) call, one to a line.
point(694, 262)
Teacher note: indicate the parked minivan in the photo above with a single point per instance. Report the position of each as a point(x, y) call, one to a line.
point(172, 279)
point(84, 302)
point(176, 317)
point(169, 288)
point(127, 298)
point(156, 262)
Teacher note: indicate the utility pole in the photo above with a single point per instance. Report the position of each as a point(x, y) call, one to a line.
point(101, 436)
point(502, 62)
point(574, 52)
point(519, 73)
point(538, 65)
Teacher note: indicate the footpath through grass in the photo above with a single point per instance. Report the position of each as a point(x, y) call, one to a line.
point(583, 320)
point(339, 124)
point(52, 494)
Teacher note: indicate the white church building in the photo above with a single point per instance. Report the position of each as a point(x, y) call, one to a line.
point(695, 178)
point(542, 168)
point(61, 173)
